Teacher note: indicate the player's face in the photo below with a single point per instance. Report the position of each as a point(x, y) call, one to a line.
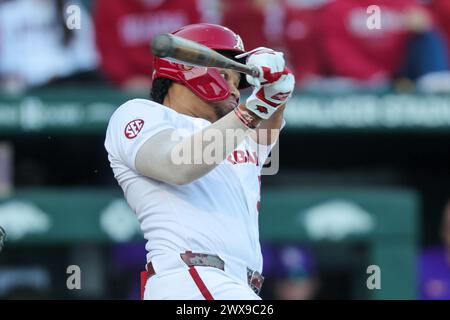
point(222, 108)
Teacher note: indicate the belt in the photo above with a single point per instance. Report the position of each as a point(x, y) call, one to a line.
point(254, 278)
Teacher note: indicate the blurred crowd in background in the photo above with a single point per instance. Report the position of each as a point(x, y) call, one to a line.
point(329, 44)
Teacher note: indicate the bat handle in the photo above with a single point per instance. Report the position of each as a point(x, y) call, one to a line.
point(166, 45)
point(251, 71)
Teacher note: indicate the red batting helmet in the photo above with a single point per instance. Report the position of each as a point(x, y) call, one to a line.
point(207, 83)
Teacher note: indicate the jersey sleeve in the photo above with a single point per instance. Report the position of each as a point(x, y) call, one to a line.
point(132, 125)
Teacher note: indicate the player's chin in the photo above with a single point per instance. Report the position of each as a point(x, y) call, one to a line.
point(222, 109)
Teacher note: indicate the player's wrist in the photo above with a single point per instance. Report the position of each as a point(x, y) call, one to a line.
point(247, 117)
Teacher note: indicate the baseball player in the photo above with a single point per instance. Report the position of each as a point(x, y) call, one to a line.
point(200, 218)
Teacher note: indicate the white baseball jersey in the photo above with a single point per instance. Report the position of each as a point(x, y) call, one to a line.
point(217, 213)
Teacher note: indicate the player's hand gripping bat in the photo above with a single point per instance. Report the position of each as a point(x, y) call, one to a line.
point(185, 51)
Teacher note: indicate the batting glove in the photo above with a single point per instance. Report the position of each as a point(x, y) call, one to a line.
point(270, 64)
point(275, 83)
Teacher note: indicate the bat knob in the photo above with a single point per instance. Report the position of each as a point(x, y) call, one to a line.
point(162, 45)
point(254, 72)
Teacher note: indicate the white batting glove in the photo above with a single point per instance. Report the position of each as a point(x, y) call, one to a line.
point(270, 64)
point(265, 100)
point(275, 83)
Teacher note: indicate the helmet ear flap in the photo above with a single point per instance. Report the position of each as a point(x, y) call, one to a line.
point(207, 83)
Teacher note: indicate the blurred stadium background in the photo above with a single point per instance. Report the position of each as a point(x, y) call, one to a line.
point(364, 159)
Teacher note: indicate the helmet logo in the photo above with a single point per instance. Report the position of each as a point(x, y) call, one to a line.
point(239, 44)
point(186, 67)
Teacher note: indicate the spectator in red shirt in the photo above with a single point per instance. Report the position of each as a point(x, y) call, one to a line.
point(286, 25)
point(355, 51)
point(402, 46)
point(124, 30)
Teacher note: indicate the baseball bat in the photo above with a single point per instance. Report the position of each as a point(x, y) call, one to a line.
point(183, 51)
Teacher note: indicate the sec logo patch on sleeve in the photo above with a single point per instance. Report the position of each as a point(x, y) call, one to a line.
point(133, 128)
